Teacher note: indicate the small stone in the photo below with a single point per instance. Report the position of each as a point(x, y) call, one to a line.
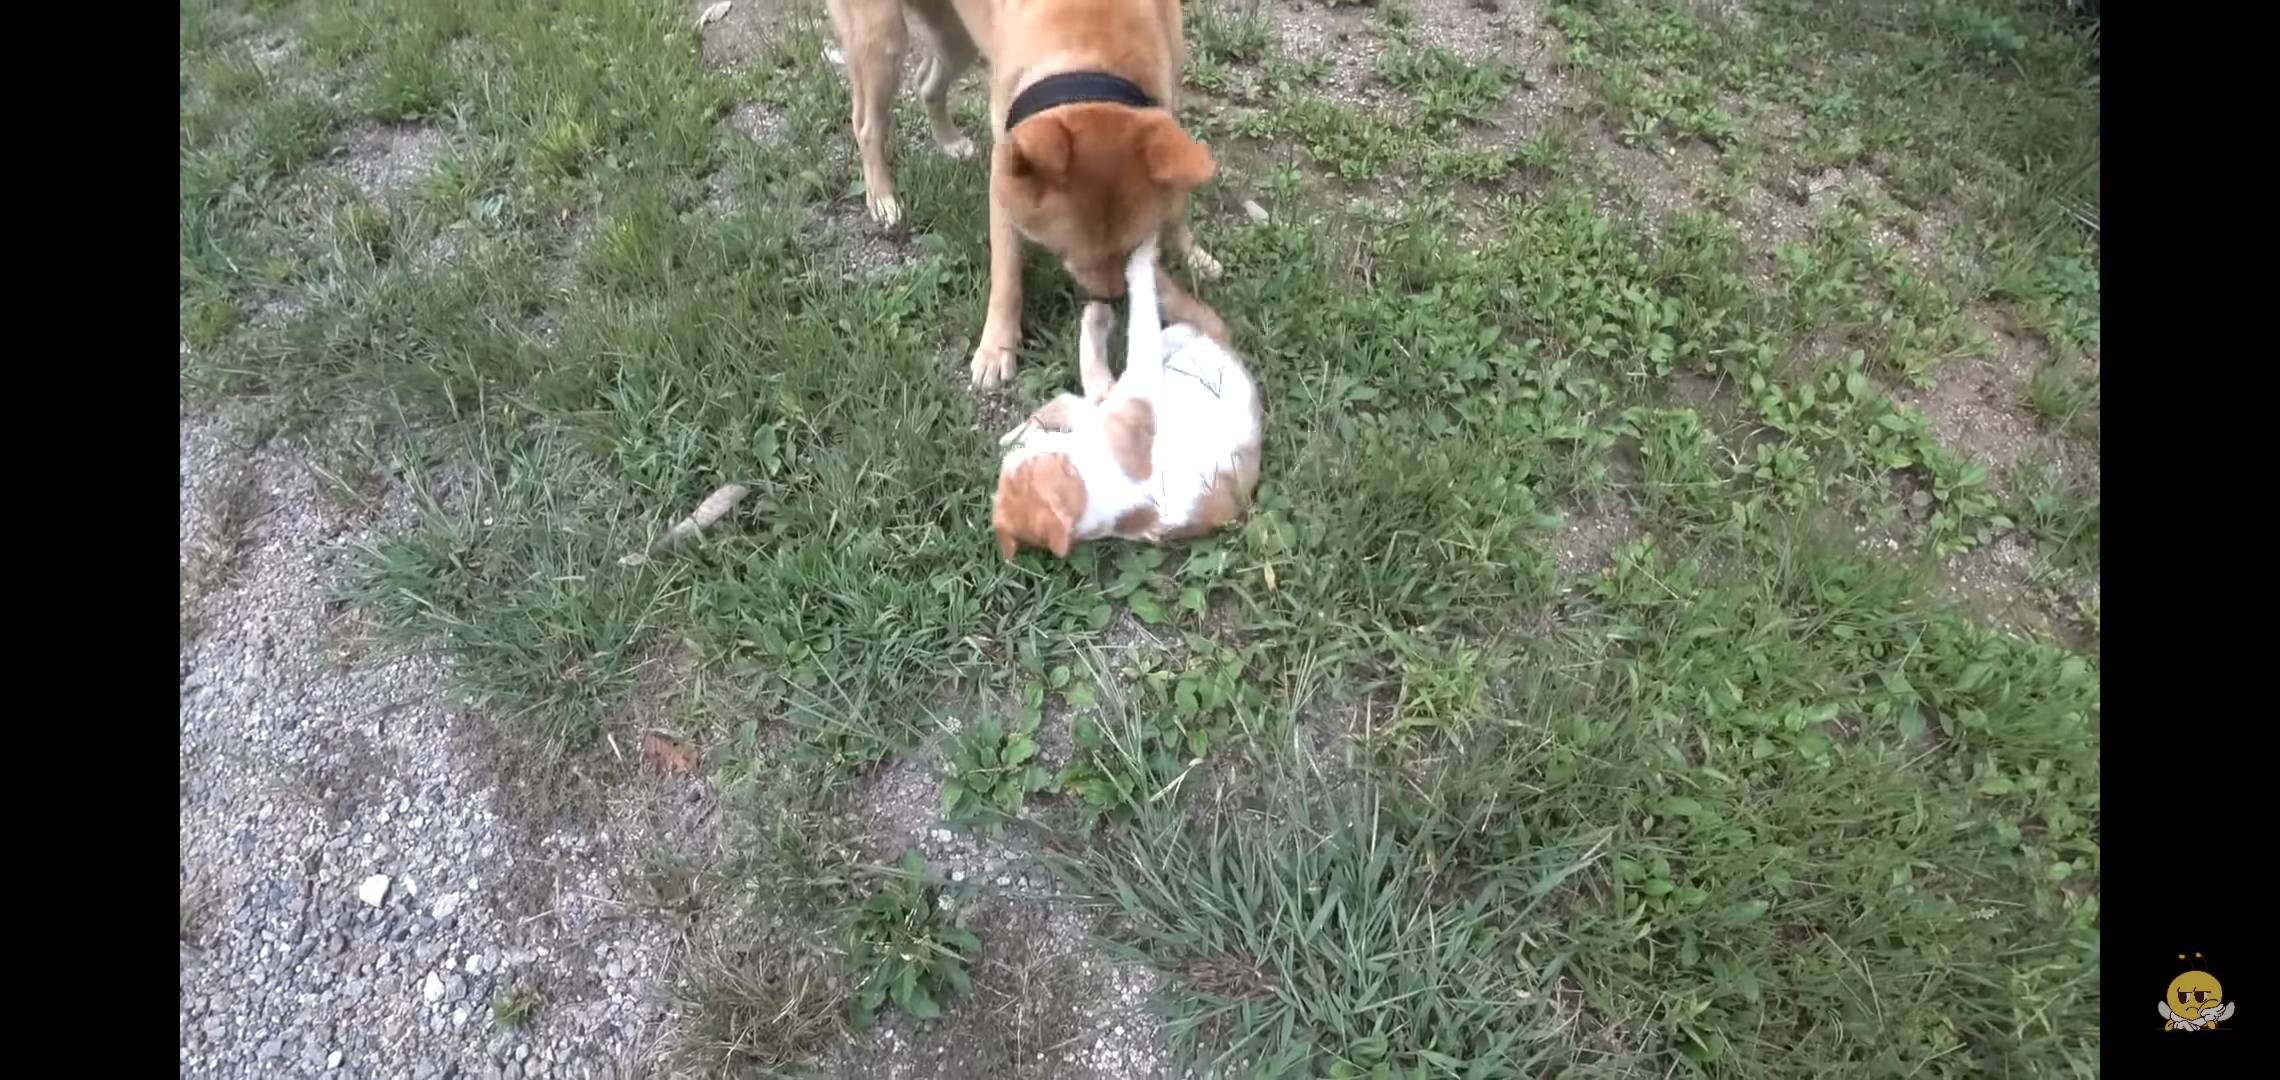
point(332, 1060)
point(957, 875)
point(374, 890)
point(454, 988)
point(432, 989)
point(271, 1050)
point(1257, 213)
point(1004, 881)
point(474, 964)
point(446, 905)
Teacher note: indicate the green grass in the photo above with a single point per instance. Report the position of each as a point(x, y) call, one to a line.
point(1744, 799)
point(516, 1005)
point(903, 950)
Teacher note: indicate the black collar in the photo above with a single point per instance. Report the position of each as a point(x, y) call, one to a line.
point(1076, 88)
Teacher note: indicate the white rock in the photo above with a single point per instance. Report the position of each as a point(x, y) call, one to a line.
point(432, 989)
point(446, 905)
point(713, 14)
point(332, 1060)
point(1258, 214)
point(957, 875)
point(374, 890)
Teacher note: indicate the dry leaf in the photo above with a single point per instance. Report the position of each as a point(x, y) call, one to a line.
point(714, 14)
point(670, 754)
point(716, 506)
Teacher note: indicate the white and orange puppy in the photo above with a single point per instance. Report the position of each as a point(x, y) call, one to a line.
point(1168, 451)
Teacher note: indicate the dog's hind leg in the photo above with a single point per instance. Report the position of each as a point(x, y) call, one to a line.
point(954, 52)
point(872, 34)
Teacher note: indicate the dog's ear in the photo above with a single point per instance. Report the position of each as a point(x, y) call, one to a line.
point(1061, 502)
point(1008, 546)
point(1174, 160)
point(1041, 149)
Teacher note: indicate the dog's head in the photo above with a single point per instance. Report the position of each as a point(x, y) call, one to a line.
point(1090, 181)
point(1039, 499)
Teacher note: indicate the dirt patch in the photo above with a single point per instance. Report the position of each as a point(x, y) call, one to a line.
point(744, 33)
point(863, 251)
point(751, 120)
point(366, 883)
point(1350, 38)
point(383, 161)
point(273, 48)
point(2005, 582)
point(1346, 37)
point(1584, 545)
point(756, 121)
point(1045, 1001)
point(1977, 406)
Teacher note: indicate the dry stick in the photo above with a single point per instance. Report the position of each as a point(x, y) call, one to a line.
point(715, 507)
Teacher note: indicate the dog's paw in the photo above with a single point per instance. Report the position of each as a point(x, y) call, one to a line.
point(993, 366)
point(1204, 265)
point(1014, 436)
point(885, 209)
point(958, 149)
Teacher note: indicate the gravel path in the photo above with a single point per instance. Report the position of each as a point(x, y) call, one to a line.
point(355, 895)
point(365, 872)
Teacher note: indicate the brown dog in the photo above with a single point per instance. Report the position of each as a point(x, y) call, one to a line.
point(1088, 157)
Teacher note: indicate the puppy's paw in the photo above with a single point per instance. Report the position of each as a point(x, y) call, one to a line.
point(1204, 265)
point(885, 208)
point(1100, 320)
point(993, 366)
point(1011, 437)
point(957, 149)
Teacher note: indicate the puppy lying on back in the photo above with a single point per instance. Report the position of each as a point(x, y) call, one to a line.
point(1167, 452)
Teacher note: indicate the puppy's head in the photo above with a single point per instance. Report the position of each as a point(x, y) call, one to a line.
point(1039, 499)
point(1090, 181)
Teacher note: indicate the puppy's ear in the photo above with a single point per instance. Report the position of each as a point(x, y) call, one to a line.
point(1041, 149)
point(1061, 502)
point(1174, 160)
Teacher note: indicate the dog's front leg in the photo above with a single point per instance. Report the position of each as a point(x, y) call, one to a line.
point(1179, 307)
point(1179, 236)
point(1001, 328)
